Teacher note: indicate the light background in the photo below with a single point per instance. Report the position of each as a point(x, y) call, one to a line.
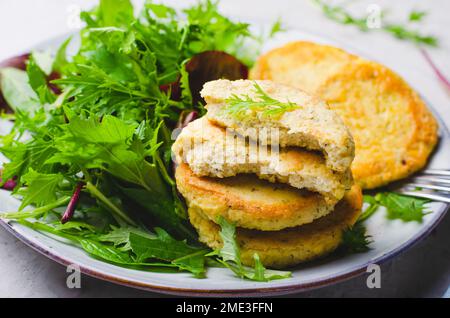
point(424, 270)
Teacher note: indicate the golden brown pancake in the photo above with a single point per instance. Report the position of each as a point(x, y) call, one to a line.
point(250, 202)
point(393, 129)
point(291, 246)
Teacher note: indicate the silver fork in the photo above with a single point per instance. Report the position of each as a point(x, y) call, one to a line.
point(433, 184)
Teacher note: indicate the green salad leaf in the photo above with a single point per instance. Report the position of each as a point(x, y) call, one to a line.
point(120, 236)
point(17, 91)
point(163, 250)
point(163, 246)
point(230, 250)
point(37, 78)
point(101, 120)
point(41, 188)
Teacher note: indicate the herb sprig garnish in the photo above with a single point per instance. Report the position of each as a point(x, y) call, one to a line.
point(240, 106)
point(402, 207)
point(355, 239)
point(403, 32)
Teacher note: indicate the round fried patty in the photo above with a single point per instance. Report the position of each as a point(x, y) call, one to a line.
point(393, 129)
point(288, 247)
point(250, 202)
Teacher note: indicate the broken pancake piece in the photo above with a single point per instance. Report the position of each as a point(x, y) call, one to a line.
point(250, 202)
point(287, 247)
point(301, 120)
point(213, 151)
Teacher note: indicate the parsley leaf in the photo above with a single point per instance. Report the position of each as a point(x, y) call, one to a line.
point(402, 33)
point(406, 208)
point(276, 28)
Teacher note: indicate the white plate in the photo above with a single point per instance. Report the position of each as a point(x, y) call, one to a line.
point(390, 237)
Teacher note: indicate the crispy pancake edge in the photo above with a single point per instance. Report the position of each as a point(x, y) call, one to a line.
point(280, 249)
point(233, 199)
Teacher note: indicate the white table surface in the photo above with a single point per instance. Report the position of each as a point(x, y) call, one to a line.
point(424, 270)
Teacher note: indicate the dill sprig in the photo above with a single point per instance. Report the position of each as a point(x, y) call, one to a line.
point(355, 239)
point(402, 207)
point(403, 32)
point(239, 106)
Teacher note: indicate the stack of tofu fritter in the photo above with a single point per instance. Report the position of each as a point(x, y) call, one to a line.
point(282, 177)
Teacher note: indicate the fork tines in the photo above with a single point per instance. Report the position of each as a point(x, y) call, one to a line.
point(433, 184)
